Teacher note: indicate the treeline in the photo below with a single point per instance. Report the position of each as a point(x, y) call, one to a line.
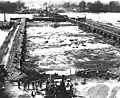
point(97, 6)
point(11, 7)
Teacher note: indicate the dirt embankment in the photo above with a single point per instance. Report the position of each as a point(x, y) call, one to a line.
point(4, 48)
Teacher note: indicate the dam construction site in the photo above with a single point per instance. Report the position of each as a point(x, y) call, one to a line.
point(55, 56)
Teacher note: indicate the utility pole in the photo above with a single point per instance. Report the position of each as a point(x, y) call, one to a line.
point(4, 17)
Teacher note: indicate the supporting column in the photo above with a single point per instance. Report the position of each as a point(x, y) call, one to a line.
point(4, 17)
point(118, 41)
point(94, 30)
point(104, 34)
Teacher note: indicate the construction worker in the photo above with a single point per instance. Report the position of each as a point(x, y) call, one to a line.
point(40, 83)
point(28, 83)
point(25, 86)
point(33, 85)
point(33, 94)
point(18, 84)
point(36, 85)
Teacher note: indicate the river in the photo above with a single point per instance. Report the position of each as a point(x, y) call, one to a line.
point(104, 17)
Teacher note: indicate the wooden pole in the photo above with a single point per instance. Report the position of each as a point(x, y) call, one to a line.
point(4, 17)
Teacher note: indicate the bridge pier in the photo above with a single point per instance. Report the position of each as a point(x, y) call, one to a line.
point(109, 32)
point(104, 34)
point(88, 28)
point(94, 30)
point(100, 32)
point(118, 41)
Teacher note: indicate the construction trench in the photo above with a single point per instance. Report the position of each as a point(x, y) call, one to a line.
point(54, 53)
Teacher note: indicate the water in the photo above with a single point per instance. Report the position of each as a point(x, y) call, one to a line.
point(3, 35)
point(104, 17)
point(8, 16)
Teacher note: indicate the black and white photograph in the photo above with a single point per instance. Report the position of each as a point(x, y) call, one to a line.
point(59, 48)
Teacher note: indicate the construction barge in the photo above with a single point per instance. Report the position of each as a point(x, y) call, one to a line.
point(16, 58)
